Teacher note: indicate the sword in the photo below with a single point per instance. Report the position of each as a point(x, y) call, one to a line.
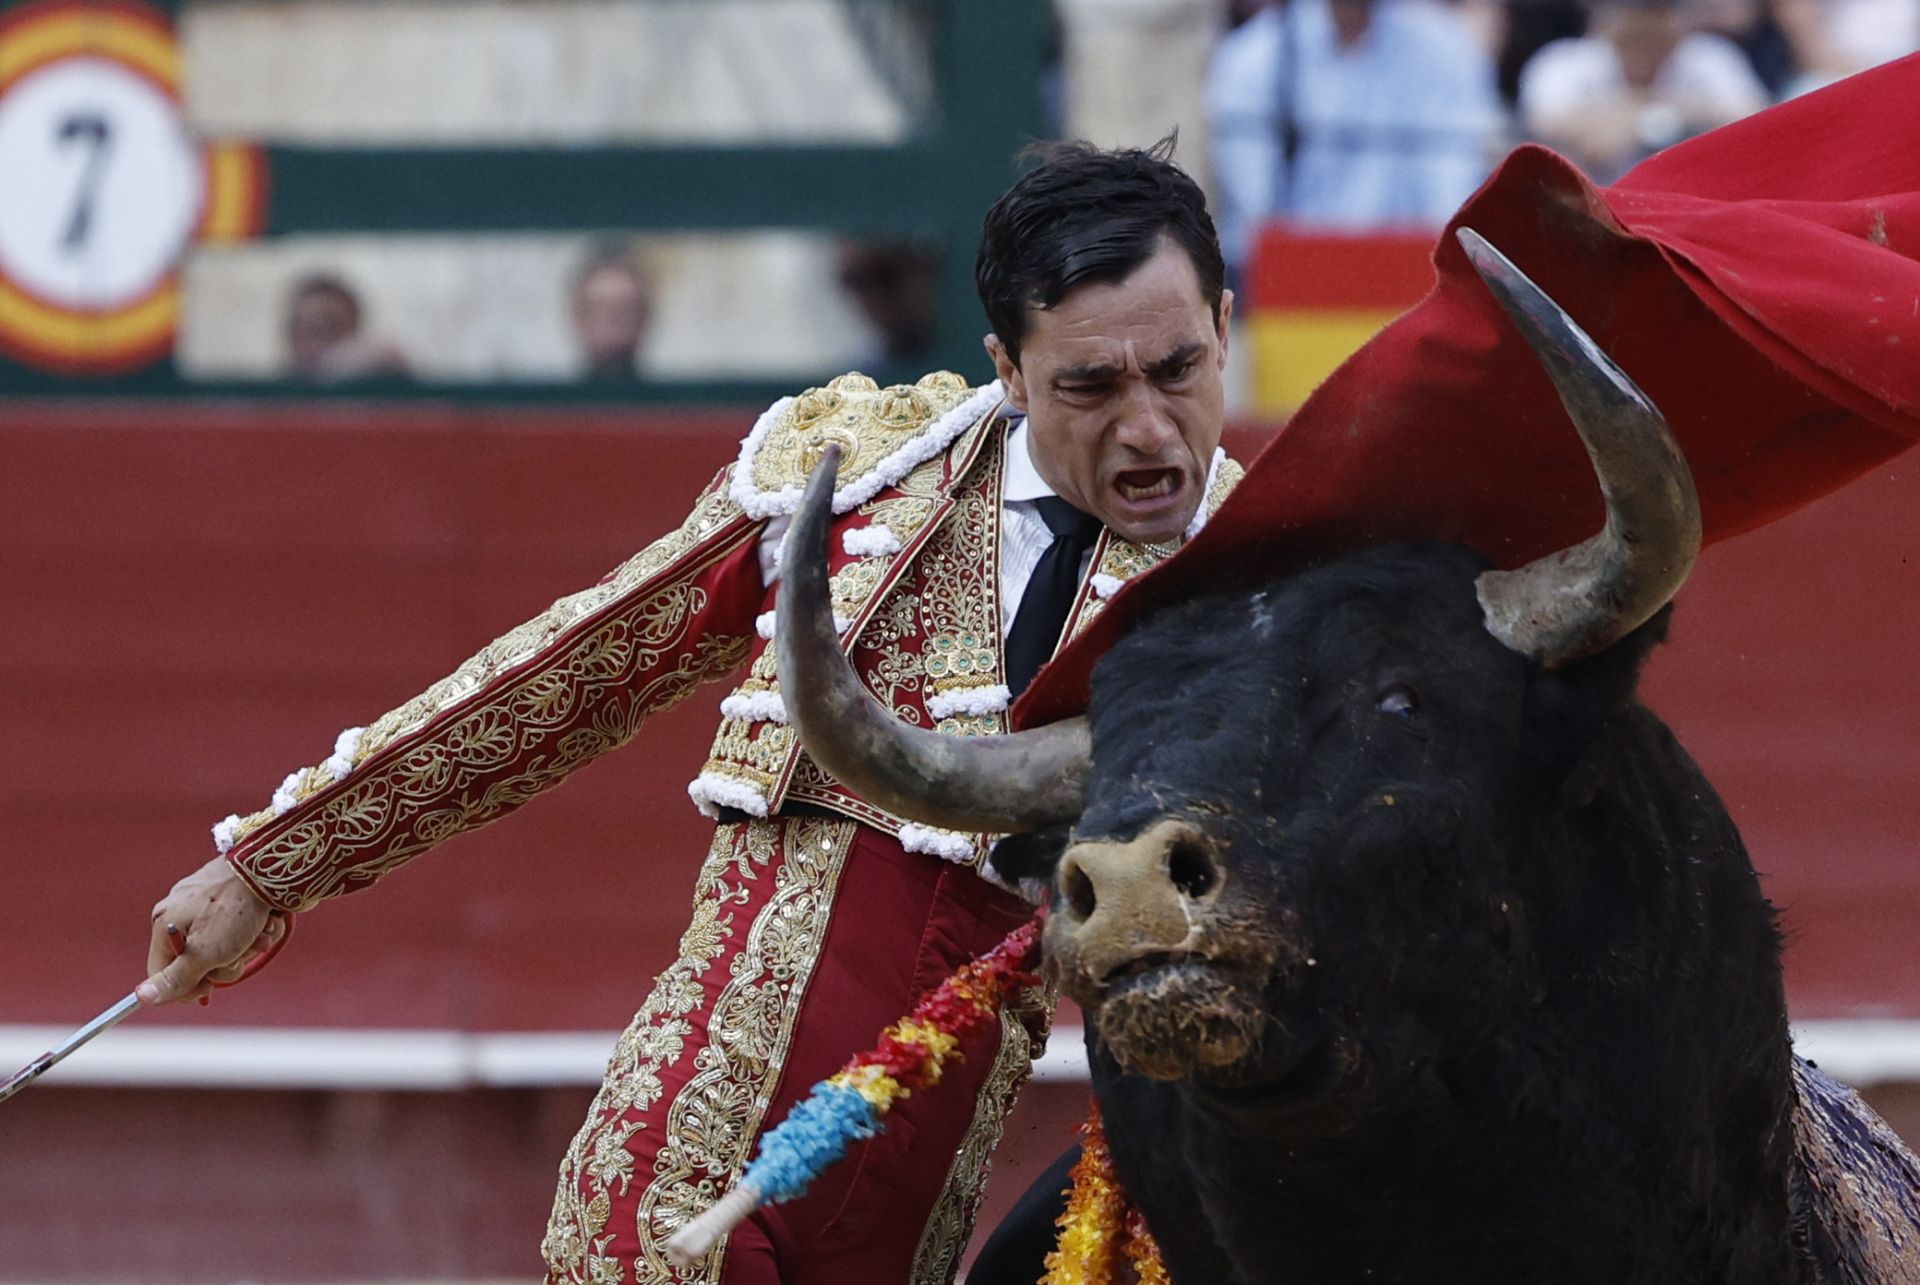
point(127, 1007)
point(47, 1061)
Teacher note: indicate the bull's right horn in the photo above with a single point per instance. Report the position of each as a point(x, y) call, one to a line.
point(985, 784)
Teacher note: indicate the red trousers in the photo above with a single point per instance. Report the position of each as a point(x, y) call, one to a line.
point(808, 937)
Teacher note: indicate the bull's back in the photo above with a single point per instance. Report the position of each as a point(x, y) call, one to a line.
point(1857, 1188)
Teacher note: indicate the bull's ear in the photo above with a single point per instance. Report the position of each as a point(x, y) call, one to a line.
point(1027, 861)
point(1569, 709)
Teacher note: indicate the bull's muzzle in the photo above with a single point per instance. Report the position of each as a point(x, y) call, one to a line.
point(1145, 898)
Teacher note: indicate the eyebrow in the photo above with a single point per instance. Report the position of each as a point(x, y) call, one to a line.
point(1101, 372)
point(1174, 360)
point(1087, 373)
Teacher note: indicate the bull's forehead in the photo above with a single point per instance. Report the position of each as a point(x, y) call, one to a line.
point(1207, 705)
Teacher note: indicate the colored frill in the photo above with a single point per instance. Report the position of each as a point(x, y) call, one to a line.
point(1100, 1229)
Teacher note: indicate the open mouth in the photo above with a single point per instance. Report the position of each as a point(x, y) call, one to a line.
point(1169, 1014)
point(1152, 962)
point(1144, 485)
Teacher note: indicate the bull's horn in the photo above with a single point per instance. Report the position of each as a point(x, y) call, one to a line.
point(989, 784)
point(1573, 603)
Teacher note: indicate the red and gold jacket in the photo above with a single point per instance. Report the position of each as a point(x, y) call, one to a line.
point(915, 562)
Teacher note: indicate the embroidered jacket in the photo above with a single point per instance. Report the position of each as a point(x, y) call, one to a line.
point(915, 563)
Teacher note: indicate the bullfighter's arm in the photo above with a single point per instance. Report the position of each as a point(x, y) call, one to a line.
point(515, 719)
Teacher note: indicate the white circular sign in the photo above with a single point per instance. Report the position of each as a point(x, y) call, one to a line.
point(103, 184)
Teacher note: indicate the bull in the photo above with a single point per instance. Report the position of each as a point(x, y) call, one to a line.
point(1412, 947)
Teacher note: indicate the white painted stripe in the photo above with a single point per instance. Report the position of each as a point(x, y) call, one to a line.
point(1862, 1053)
point(283, 1058)
point(1065, 1058)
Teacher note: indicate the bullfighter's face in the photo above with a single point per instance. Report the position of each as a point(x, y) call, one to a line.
point(1121, 383)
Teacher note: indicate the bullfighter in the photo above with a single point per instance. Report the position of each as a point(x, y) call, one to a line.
point(975, 528)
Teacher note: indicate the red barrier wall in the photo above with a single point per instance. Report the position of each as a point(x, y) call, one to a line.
point(193, 600)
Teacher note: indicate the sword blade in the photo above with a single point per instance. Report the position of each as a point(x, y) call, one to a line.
point(46, 1061)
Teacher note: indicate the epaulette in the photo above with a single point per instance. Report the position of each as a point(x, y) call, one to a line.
point(883, 434)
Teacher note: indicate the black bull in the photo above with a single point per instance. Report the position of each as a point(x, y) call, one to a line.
point(1412, 947)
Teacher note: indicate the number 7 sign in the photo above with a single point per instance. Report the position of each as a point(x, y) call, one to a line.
point(102, 186)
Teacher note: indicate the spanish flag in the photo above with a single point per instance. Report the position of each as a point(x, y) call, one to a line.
point(1313, 298)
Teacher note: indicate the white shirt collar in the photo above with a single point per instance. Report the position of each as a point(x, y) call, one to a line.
point(1023, 479)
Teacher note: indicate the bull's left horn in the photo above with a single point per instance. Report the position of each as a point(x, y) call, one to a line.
point(1579, 600)
point(988, 784)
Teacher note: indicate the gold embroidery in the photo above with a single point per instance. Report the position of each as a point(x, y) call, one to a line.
point(903, 515)
point(599, 1159)
point(586, 653)
point(958, 574)
point(968, 660)
point(854, 583)
point(713, 1121)
point(970, 725)
point(889, 646)
point(867, 422)
point(925, 482)
point(951, 1224)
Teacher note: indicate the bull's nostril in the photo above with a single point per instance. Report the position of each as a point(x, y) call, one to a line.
point(1191, 868)
point(1077, 888)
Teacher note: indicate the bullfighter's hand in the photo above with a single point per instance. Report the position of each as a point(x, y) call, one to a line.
point(219, 923)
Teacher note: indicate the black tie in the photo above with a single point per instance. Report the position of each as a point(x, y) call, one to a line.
point(1051, 591)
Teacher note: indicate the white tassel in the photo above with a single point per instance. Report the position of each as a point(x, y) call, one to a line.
point(1104, 585)
point(755, 707)
point(765, 625)
point(876, 541)
point(711, 791)
point(225, 834)
point(344, 747)
point(969, 700)
point(284, 798)
point(948, 845)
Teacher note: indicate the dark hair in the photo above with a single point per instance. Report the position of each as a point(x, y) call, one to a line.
point(330, 285)
point(1084, 215)
point(608, 254)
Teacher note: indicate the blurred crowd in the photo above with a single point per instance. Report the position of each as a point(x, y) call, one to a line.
point(889, 284)
point(1370, 114)
point(1330, 115)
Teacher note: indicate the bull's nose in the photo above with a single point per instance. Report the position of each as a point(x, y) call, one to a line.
point(1127, 899)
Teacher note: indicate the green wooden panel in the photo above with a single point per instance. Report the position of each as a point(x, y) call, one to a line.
point(879, 190)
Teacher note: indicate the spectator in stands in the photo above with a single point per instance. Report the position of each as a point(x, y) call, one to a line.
point(612, 307)
point(325, 340)
point(1349, 114)
point(893, 285)
point(1835, 38)
point(1640, 80)
point(1752, 25)
point(1531, 26)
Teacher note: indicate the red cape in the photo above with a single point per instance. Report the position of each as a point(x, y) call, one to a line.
point(1761, 283)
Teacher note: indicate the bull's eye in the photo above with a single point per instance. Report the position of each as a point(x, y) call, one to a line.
point(1399, 700)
